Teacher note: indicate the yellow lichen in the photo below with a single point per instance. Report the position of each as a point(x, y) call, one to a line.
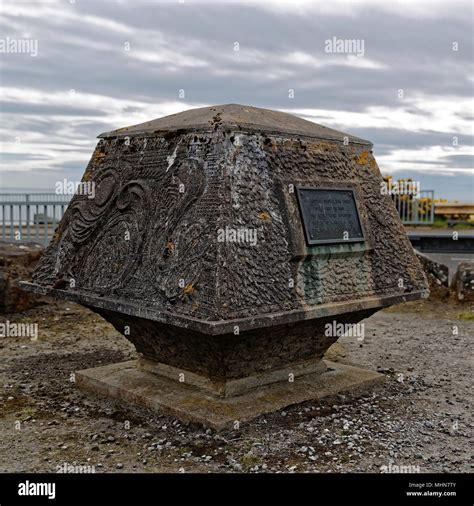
point(98, 156)
point(363, 158)
point(189, 289)
point(87, 175)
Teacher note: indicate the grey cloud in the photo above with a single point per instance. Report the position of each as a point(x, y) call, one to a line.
point(90, 58)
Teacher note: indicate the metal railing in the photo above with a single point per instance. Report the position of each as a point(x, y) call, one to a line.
point(417, 210)
point(31, 217)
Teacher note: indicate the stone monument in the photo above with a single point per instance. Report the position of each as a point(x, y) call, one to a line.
point(228, 244)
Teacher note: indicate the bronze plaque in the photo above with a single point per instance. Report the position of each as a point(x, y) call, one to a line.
point(329, 215)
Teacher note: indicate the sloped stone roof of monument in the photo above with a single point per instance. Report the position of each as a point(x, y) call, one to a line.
point(238, 117)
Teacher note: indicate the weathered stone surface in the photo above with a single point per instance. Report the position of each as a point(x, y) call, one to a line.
point(230, 178)
point(17, 262)
point(226, 357)
point(437, 275)
point(232, 117)
point(146, 253)
point(463, 282)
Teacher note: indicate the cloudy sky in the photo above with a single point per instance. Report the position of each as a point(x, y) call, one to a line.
point(91, 66)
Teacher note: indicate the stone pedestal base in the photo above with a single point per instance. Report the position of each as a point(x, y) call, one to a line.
point(129, 382)
point(232, 387)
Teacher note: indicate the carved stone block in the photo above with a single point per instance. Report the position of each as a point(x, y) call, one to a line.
point(198, 246)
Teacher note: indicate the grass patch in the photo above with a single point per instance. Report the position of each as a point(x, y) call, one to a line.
point(26, 413)
point(249, 460)
point(467, 315)
point(443, 223)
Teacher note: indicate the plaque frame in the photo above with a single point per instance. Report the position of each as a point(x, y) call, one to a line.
point(314, 242)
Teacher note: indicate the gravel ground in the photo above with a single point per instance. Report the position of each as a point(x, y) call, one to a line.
point(419, 418)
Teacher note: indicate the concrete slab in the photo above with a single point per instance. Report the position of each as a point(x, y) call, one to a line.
point(128, 382)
